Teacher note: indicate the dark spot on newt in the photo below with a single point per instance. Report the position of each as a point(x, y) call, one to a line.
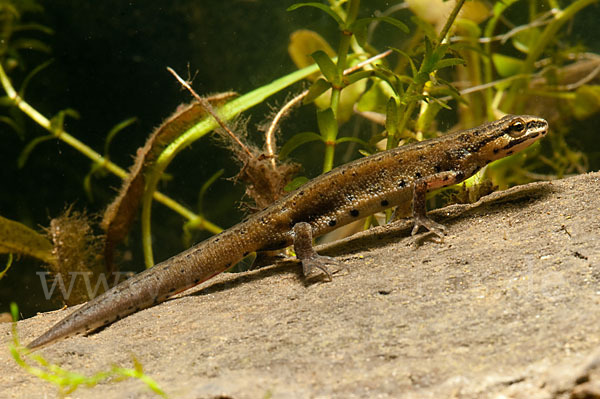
point(418, 175)
point(496, 150)
point(402, 183)
point(437, 168)
point(246, 254)
point(182, 270)
point(332, 222)
point(460, 175)
point(354, 212)
point(301, 192)
point(197, 281)
point(510, 152)
point(172, 289)
point(384, 203)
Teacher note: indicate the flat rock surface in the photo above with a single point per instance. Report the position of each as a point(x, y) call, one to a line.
point(507, 306)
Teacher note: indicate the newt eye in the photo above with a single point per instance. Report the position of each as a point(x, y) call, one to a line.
point(516, 128)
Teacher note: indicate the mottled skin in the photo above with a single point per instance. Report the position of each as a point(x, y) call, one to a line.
point(345, 194)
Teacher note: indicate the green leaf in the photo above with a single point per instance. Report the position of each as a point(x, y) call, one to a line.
point(327, 66)
point(393, 79)
point(413, 68)
point(206, 186)
point(87, 180)
point(356, 76)
point(394, 22)
point(507, 66)
point(12, 123)
point(315, 90)
point(29, 147)
point(449, 62)
point(116, 129)
point(437, 101)
point(392, 118)
point(433, 56)
point(328, 126)
point(31, 44)
point(365, 153)
point(321, 7)
point(296, 141)
point(33, 26)
point(19, 239)
point(451, 90)
point(57, 122)
point(8, 265)
point(354, 140)
point(360, 27)
point(31, 74)
point(385, 75)
point(526, 39)
point(295, 184)
point(422, 77)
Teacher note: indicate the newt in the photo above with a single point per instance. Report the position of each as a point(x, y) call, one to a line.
point(343, 195)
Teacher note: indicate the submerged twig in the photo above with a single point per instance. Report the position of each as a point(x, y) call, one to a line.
point(208, 108)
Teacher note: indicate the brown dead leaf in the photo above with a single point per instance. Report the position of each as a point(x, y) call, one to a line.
point(120, 214)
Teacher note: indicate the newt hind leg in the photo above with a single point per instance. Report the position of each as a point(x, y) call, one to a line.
point(310, 259)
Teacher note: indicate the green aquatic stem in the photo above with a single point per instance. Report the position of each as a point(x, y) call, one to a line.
point(62, 135)
point(417, 88)
point(203, 127)
point(336, 90)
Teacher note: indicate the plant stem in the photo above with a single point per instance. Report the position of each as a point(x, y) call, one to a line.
point(407, 110)
point(450, 21)
point(336, 90)
point(90, 153)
